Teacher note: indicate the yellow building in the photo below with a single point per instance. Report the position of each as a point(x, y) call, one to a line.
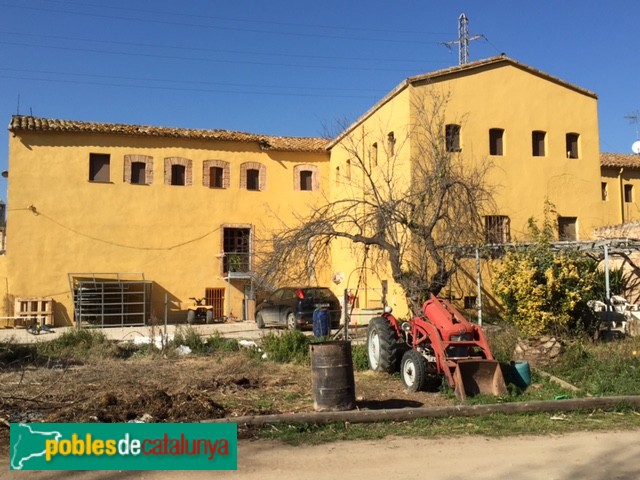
point(124, 216)
point(537, 134)
point(619, 186)
point(176, 213)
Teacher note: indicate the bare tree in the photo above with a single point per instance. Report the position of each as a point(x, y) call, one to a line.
point(410, 211)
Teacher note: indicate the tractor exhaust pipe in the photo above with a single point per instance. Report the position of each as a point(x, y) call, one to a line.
point(478, 377)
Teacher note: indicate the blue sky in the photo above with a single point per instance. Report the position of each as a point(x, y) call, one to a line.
point(292, 67)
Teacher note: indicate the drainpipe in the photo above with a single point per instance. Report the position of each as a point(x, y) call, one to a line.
point(621, 195)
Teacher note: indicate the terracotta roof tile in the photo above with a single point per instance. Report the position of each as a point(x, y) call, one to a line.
point(619, 160)
point(297, 144)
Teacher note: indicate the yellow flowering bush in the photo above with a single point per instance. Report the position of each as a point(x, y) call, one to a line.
point(544, 293)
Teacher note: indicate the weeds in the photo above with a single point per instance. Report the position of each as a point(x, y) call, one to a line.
point(189, 337)
point(359, 354)
point(287, 347)
point(80, 344)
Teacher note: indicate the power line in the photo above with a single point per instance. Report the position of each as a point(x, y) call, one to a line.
point(225, 28)
point(203, 59)
point(349, 28)
point(210, 50)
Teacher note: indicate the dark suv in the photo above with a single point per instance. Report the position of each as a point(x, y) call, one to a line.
point(293, 307)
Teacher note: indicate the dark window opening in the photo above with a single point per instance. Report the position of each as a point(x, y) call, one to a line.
point(216, 175)
point(374, 155)
point(537, 143)
point(138, 173)
point(470, 302)
point(178, 176)
point(495, 141)
point(497, 229)
point(253, 179)
point(306, 180)
point(567, 230)
point(237, 249)
point(628, 193)
point(604, 191)
point(99, 167)
point(572, 145)
point(452, 133)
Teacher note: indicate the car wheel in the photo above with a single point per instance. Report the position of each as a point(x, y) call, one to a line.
point(291, 321)
point(259, 320)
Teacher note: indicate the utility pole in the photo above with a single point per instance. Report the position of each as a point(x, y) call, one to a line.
point(463, 39)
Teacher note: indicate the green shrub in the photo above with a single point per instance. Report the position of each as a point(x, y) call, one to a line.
point(290, 346)
point(79, 343)
point(189, 337)
point(217, 343)
point(359, 354)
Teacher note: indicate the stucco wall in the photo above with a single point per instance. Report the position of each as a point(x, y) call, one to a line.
point(59, 222)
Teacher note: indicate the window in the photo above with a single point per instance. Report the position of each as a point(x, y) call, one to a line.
point(567, 231)
point(470, 302)
point(347, 170)
point(628, 193)
point(253, 179)
point(374, 155)
point(305, 178)
point(391, 144)
point(497, 229)
point(572, 145)
point(138, 169)
point(236, 244)
point(452, 137)
point(495, 141)
point(178, 176)
point(215, 177)
point(604, 191)
point(253, 176)
point(537, 143)
point(215, 174)
point(138, 173)
point(177, 171)
point(99, 167)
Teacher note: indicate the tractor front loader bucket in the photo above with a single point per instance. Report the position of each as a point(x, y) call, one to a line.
point(473, 377)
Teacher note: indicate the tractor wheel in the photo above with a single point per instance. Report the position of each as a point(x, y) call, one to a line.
point(191, 317)
point(291, 321)
point(414, 371)
point(259, 320)
point(209, 317)
point(382, 346)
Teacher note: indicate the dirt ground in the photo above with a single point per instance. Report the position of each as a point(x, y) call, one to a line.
point(585, 456)
point(194, 389)
point(177, 390)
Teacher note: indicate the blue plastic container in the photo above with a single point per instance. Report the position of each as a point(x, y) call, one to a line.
point(521, 373)
point(321, 322)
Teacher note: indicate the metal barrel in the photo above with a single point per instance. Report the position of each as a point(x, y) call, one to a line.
point(332, 376)
point(473, 377)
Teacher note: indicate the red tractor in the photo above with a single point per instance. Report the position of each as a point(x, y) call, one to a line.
point(438, 343)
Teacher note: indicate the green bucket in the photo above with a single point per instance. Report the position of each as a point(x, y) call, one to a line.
point(521, 373)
